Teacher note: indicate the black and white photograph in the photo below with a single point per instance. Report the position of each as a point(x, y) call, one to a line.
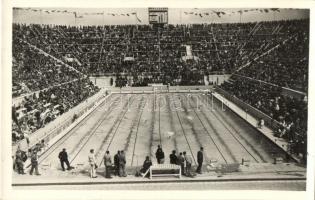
point(159, 98)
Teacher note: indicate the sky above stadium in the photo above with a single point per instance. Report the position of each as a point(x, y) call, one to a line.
point(117, 16)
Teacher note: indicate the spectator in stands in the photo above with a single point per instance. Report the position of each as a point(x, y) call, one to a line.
point(27, 138)
point(261, 123)
point(159, 154)
point(108, 164)
point(37, 148)
point(287, 111)
point(48, 105)
point(29, 152)
point(173, 157)
point(43, 146)
point(79, 49)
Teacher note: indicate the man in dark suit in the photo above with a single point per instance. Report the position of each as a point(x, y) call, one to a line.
point(173, 158)
point(63, 157)
point(199, 160)
point(108, 164)
point(159, 155)
point(146, 165)
point(116, 163)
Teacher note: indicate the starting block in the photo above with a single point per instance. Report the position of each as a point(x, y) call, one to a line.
point(245, 162)
point(46, 165)
point(79, 165)
point(228, 168)
point(278, 160)
point(213, 161)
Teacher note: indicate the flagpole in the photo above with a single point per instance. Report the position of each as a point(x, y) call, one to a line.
point(41, 19)
point(75, 19)
point(180, 15)
point(103, 18)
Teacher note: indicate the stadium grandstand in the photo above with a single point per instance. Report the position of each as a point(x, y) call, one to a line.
point(266, 61)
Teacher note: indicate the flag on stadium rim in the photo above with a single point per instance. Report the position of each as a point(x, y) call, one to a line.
point(134, 13)
point(220, 13)
point(76, 15)
point(217, 13)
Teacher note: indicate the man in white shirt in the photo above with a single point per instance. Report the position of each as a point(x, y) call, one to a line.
point(92, 163)
point(188, 161)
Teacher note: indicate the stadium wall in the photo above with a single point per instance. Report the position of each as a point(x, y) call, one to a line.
point(157, 89)
point(293, 93)
point(104, 81)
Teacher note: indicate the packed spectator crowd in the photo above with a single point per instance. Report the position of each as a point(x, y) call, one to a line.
point(286, 66)
point(260, 84)
point(33, 70)
point(157, 53)
point(290, 112)
point(36, 110)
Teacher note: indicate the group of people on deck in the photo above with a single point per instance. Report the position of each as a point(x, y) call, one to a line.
point(118, 164)
point(182, 159)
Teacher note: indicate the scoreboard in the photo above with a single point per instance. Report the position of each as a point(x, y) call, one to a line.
point(158, 15)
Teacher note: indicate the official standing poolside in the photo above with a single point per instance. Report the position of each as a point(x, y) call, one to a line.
point(63, 157)
point(122, 164)
point(199, 160)
point(108, 164)
point(34, 162)
point(92, 163)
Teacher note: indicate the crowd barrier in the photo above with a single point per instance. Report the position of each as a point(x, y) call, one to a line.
point(159, 88)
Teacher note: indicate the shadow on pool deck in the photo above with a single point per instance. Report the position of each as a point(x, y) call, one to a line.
point(253, 172)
